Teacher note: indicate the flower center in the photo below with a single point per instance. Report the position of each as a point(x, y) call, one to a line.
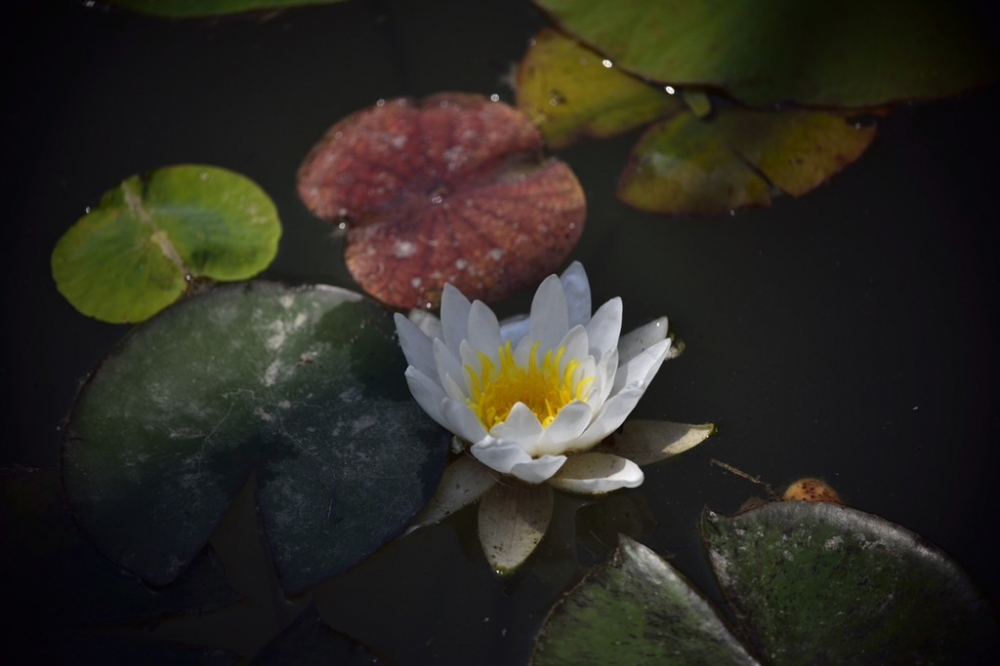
point(495, 390)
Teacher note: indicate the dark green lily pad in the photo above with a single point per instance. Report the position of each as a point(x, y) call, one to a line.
point(852, 53)
point(57, 580)
point(570, 92)
point(306, 385)
point(816, 583)
point(136, 252)
point(308, 640)
point(185, 8)
point(736, 158)
point(635, 610)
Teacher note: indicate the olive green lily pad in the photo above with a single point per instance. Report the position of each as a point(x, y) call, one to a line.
point(822, 583)
point(136, 252)
point(852, 53)
point(737, 157)
point(635, 610)
point(569, 92)
point(304, 385)
point(57, 580)
point(185, 8)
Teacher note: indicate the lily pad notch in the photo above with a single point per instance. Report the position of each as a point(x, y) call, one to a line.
point(147, 240)
point(303, 386)
point(449, 189)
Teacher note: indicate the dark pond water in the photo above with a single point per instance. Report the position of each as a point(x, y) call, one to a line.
point(850, 334)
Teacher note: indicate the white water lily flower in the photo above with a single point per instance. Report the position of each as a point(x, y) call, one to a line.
point(529, 400)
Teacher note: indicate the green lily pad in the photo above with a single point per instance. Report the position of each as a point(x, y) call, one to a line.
point(819, 583)
point(308, 640)
point(635, 610)
point(185, 8)
point(138, 250)
point(570, 92)
point(61, 581)
point(852, 53)
point(305, 386)
point(735, 158)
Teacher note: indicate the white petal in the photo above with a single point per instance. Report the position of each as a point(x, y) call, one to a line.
point(640, 369)
point(446, 365)
point(520, 427)
point(604, 379)
point(569, 423)
point(641, 338)
point(577, 289)
point(538, 470)
point(609, 418)
point(455, 309)
point(484, 329)
point(417, 347)
point(462, 421)
point(514, 328)
point(464, 481)
point(512, 522)
point(596, 474)
point(577, 346)
point(428, 394)
point(549, 316)
point(604, 328)
point(645, 442)
point(509, 458)
point(426, 322)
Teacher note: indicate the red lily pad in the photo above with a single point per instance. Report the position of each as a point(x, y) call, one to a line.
point(452, 188)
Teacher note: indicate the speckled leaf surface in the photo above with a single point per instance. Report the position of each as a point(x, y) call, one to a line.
point(57, 580)
point(453, 188)
point(851, 53)
point(304, 385)
point(635, 610)
point(737, 157)
point(570, 91)
point(182, 8)
point(822, 583)
point(136, 251)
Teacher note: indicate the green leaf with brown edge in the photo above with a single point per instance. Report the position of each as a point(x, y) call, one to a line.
point(193, 8)
point(570, 92)
point(815, 583)
point(690, 166)
point(636, 609)
point(852, 53)
point(137, 250)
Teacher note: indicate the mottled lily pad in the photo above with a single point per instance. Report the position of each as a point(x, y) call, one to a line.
point(136, 252)
point(852, 53)
point(822, 583)
point(637, 609)
point(569, 92)
point(184, 8)
point(305, 386)
point(57, 580)
point(737, 157)
point(449, 189)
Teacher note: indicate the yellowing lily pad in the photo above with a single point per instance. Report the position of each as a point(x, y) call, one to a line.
point(136, 252)
point(183, 8)
point(570, 91)
point(853, 53)
point(737, 157)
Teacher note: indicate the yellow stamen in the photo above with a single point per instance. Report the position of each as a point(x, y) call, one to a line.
point(494, 391)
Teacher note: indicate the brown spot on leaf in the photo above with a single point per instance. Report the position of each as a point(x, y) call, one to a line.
point(453, 188)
